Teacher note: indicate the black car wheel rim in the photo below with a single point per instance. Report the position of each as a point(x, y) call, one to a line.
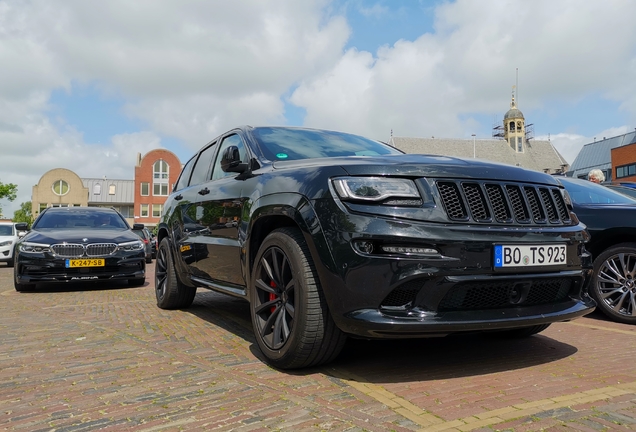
point(275, 303)
point(161, 272)
point(616, 283)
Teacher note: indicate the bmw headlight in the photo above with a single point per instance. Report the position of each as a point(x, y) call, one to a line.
point(378, 190)
point(29, 247)
point(6, 243)
point(134, 245)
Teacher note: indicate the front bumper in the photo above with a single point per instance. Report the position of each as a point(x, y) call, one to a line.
point(41, 270)
point(6, 253)
point(383, 295)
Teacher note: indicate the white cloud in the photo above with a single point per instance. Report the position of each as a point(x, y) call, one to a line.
point(192, 69)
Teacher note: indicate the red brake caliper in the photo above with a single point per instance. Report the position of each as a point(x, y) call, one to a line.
point(272, 296)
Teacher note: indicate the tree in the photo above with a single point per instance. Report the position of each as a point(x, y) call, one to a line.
point(8, 191)
point(24, 214)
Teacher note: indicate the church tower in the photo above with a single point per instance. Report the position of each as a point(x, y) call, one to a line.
point(515, 127)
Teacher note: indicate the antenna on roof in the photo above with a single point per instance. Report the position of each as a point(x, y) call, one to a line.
point(517, 84)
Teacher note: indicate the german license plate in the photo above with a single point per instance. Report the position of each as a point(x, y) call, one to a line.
point(530, 255)
point(73, 263)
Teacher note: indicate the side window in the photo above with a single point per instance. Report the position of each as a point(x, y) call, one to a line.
point(200, 171)
point(183, 178)
point(232, 140)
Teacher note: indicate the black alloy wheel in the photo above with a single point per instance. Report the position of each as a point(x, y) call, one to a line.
point(614, 284)
point(292, 324)
point(171, 293)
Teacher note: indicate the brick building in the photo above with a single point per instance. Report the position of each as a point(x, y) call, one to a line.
point(139, 201)
point(155, 174)
point(624, 163)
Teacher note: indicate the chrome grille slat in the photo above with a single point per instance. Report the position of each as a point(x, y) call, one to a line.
point(502, 203)
point(76, 250)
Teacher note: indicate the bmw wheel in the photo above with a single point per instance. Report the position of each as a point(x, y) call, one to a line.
point(614, 284)
point(290, 317)
point(171, 293)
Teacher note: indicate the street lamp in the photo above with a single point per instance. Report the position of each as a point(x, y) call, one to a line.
point(474, 155)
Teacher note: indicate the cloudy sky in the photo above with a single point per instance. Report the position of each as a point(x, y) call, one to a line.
point(88, 84)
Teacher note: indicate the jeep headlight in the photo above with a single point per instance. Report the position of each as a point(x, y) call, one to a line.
point(379, 190)
point(134, 245)
point(29, 247)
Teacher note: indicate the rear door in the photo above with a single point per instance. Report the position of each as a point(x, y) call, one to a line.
point(218, 210)
point(183, 222)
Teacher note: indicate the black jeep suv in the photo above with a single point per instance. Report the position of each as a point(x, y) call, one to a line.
point(328, 234)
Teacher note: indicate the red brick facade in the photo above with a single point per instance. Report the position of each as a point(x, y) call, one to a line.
point(155, 175)
point(624, 156)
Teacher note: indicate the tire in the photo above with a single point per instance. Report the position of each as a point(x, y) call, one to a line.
point(521, 332)
point(21, 287)
point(149, 259)
point(10, 263)
point(171, 293)
point(290, 317)
point(136, 282)
point(614, 283)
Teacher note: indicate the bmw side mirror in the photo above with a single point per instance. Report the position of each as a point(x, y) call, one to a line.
point(231, 160)
point(138, 226)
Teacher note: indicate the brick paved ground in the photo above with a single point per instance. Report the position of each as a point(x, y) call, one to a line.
point(106, 358)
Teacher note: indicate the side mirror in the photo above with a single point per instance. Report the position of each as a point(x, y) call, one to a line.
point(231, 160)
point(138, 226)
point(22, 226)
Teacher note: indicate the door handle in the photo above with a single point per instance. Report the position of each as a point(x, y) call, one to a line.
point(204, 191)
point(178, 197)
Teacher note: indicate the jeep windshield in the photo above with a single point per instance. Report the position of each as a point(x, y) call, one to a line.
point(293, 144)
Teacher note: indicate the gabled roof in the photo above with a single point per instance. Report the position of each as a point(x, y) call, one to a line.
point(538, 155)
point(124, 190)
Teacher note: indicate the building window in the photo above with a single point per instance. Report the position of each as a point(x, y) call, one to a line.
point(60, 187)
point(625, 171)
point(160, 174)
point(156, 210)
point(519, 144)
point(145, 188)
point(144, 210)
point(111, 189)
point(160, 189)
point(42, 207)
point(97, 189)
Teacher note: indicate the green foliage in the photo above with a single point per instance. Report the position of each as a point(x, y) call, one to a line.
point(8, 191)
point(24, 214)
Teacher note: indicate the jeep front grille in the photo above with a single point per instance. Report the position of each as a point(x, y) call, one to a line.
point(487, 202)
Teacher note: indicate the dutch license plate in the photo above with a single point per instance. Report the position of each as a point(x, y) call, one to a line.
point(530, 255)
point(73, 263)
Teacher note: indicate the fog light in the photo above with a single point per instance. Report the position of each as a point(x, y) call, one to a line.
point(365, 247)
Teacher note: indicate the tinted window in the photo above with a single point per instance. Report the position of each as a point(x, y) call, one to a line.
point(586, 192)
point(200, 171)
point(185, 175)
point(6, 230)
point(80, 219)
point(232, 140)
point(292, 144)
